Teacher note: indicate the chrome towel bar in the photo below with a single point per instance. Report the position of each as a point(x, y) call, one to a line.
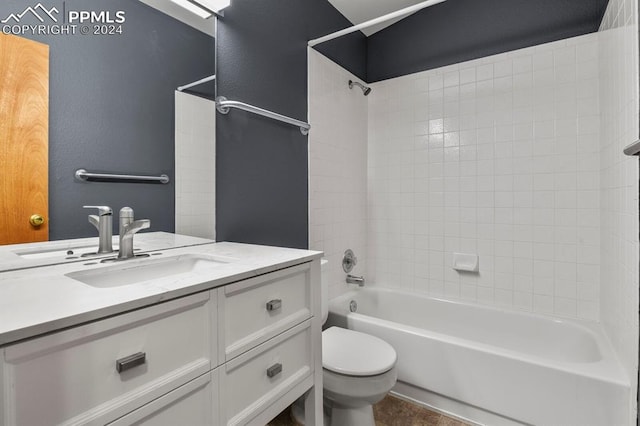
point(223, 105)
point(83, 175)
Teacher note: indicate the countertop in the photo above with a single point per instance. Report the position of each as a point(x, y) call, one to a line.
point(30, 255)
point(44, 299)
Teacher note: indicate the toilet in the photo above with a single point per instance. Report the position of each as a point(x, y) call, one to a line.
point(358, 370)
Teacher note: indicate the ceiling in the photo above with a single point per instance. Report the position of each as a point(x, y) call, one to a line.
point(359, 11)
point(461, 30)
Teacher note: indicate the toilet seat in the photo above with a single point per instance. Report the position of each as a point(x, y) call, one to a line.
point(353, 353)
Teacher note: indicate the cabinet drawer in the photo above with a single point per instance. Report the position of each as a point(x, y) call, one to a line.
point(70, 377)
point(194, 403)
point(252, 311)
point(255, 380)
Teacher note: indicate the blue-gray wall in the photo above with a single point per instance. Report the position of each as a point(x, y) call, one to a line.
point(112, 109)
point(462, 30)
point(262, 164)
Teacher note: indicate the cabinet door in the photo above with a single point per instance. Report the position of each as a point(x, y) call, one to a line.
point(195, 403)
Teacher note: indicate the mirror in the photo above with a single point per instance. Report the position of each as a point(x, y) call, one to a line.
point(114, 68)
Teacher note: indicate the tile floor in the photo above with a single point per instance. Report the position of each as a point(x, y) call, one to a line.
point(392, 411)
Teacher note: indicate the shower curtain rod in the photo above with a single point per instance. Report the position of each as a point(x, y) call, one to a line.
point(375, 21)
point(197, 83)
point(632, 149)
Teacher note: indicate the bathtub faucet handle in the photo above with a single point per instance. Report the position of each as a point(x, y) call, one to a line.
point(352, 279)
point(349, 261)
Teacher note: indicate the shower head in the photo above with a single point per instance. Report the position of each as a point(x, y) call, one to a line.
point(366, 90)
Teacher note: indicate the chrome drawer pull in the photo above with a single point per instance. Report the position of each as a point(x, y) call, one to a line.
point(274, 305)
point(274, 370)
point(128, 362)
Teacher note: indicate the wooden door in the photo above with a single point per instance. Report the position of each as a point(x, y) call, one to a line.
point(24, 140)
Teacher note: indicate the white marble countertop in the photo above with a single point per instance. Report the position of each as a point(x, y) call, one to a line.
point(45, 299)
point(30, 255)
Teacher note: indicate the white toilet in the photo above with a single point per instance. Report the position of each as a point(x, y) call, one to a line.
point(358, 370)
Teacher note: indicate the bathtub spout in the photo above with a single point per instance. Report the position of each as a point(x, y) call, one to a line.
point(351, 279)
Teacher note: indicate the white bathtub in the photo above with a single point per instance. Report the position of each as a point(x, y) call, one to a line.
point(493, 366)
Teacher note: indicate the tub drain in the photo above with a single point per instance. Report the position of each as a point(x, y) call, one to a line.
point(353, 306)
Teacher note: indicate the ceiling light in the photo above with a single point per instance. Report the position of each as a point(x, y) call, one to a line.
point(204, 14)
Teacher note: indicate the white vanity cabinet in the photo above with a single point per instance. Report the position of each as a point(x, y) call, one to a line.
point(233, 355)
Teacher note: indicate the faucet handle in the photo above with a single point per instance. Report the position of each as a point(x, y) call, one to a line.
point(142, 223)
point(139, 225)
point(127, 231)
point(349, 261)
point(102, 210)
point(94, 220)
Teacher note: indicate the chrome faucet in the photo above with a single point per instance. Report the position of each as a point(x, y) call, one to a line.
point(128, 228)
point(103, 222)
point(352, 279)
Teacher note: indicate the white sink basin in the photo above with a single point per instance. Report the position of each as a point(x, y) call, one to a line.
point(135, 271)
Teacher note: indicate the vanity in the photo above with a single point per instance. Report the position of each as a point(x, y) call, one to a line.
point(208, 334)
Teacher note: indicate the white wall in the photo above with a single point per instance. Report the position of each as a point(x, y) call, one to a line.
point(195, 166)
point(619, 180)
point(337, 167)
point(497, 156)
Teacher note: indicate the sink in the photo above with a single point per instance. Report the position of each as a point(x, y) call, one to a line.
point(134, 271)
point(64, 253)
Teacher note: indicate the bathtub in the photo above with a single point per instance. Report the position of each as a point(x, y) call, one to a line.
point(492, 366)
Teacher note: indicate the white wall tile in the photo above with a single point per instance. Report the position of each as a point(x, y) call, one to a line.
point(195, 166)
point(337, 161)
point(497, 181)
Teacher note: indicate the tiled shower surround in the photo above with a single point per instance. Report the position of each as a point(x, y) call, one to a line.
point(499, 157)
point(516, 157)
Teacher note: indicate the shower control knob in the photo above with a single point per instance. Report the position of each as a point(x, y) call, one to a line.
point(349, 261)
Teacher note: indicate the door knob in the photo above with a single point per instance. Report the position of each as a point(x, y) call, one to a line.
point(36, 220)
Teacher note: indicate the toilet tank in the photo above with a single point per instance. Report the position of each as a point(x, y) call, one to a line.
point(324, 289)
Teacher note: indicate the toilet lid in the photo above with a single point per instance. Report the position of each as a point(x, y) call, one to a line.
point(353, 353)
